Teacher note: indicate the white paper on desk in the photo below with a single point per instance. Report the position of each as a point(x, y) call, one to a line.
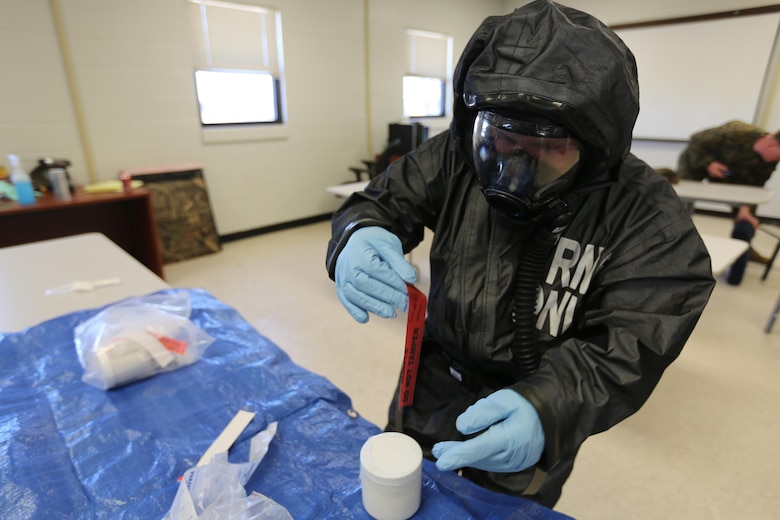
point(216, 490)
point(82, 286)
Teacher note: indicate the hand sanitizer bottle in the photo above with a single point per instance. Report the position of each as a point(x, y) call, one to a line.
point(21, 181)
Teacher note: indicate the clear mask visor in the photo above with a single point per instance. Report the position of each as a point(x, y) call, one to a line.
point(520, 158)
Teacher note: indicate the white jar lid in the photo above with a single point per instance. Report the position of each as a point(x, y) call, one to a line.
point(391, 458)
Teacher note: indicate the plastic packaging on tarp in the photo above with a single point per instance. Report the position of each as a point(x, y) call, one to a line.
point(215, 490)
point(70, 450)
point(138, 338)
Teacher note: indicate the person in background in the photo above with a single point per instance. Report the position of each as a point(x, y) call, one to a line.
point(565, 273)
point(734, 153)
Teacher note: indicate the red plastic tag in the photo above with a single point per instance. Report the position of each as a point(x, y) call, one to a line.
point(174, 345)
point(415, 321)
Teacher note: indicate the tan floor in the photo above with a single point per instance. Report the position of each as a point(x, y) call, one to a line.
point(706, 444)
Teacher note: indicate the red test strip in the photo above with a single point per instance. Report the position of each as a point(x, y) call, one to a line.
point(415, 321)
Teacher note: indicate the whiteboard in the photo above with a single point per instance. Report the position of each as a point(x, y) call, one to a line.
point(699, 74)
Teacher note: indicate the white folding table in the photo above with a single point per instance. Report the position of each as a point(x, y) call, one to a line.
point(27, 271)
point(723, 251)
point(688, 191)
point(731, 194)
point(345, 190)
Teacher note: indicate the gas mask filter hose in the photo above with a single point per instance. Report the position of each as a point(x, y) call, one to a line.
point(551, 221)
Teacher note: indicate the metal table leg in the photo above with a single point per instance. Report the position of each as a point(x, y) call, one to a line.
point(772, 317)
point(774, 233)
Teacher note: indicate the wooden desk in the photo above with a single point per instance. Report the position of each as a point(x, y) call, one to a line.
point(125, 218)
point(28, 270)
point(731, 194)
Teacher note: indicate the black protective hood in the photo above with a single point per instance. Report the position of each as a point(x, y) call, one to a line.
point(552, 60)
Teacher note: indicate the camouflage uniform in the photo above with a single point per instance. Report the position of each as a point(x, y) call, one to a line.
point(732, 145)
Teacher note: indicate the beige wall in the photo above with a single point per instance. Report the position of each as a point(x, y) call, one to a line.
point(132, 77)
point(613, 12)
point(132, 99)
point(113, 89)
point(627, 11)
point(388, 20)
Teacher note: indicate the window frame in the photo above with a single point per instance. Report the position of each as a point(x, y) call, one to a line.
point(443, 67)
point(273, 56)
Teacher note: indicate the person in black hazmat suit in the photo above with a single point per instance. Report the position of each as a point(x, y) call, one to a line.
point(565, 273)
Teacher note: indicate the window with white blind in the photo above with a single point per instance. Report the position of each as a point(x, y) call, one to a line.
point(429, 62)
point(239, 62)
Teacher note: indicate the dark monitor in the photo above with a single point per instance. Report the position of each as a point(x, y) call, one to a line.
point(409, 136)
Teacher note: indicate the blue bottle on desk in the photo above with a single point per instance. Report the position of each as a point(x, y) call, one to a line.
point(21, 181)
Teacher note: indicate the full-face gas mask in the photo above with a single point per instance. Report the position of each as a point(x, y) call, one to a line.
point(523, 163)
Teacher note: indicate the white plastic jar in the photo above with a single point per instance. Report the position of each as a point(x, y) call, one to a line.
point(391, 476)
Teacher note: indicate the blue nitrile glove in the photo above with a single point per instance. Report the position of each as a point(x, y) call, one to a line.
point(372, 273)
point(513, 441)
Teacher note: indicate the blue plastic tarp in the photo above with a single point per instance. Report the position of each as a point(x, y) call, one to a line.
point(69, 450)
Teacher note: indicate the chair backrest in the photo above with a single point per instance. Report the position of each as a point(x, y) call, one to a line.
point(390, 154)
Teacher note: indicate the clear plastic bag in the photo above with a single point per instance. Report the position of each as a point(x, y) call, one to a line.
point(216, 491)
point(138, 338)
